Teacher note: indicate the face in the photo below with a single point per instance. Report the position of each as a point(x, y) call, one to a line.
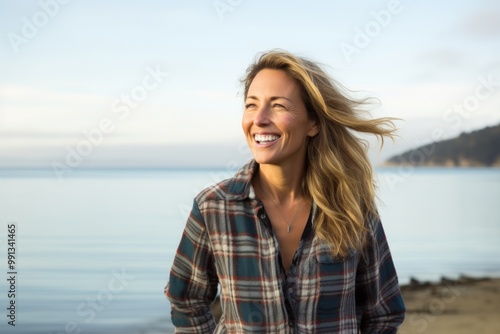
point(275, 120)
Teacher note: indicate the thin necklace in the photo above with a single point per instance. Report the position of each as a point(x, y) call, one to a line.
point(281, 213)
point(289, 225)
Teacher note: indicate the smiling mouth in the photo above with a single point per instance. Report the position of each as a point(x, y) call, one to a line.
point(263, 139)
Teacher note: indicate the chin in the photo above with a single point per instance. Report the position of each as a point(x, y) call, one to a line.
point(266, 160)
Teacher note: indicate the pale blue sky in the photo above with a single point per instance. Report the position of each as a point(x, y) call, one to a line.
point(64, 78)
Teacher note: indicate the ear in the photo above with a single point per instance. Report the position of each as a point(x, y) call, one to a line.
point(313, 128)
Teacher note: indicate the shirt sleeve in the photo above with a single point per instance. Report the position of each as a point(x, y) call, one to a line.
point(192, 286)
point(379, 304)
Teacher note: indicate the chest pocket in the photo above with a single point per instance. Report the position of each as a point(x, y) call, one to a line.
point(329, 266)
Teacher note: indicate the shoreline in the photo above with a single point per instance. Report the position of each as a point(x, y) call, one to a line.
point(462, 305)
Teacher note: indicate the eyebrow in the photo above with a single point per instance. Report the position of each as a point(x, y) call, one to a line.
point(272, 98)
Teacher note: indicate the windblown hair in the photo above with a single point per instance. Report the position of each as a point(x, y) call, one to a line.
point(339, 176)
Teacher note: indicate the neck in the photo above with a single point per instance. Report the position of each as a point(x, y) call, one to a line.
point(282, 184)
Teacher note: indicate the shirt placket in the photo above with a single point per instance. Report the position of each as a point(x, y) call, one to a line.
point(287, 282)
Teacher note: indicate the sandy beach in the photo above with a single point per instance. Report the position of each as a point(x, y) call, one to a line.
point(463, 305)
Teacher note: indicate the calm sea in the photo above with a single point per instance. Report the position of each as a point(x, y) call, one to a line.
point(94, 251)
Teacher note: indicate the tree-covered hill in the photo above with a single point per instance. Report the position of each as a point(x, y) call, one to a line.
point(478, 148)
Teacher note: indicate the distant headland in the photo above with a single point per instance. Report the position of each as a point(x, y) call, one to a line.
point(479, 148)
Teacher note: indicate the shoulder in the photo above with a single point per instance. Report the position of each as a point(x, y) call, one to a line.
point(373, 223)
point(236, 187)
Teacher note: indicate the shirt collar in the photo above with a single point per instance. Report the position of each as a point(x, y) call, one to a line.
point(241, 185)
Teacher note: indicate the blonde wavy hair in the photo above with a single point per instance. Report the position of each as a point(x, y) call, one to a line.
point(339, 175)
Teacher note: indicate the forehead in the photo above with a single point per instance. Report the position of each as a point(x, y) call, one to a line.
point(270, 82)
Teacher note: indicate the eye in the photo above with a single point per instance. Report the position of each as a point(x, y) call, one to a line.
point(278, 106)
point(249, 105)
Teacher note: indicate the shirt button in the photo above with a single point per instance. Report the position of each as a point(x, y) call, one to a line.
point(290, 290)
point(263, 216)
point(291, 323)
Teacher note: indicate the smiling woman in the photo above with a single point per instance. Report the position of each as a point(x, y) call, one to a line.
point(294, 238)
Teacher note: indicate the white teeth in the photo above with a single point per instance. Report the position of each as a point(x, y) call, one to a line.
point(265, 138)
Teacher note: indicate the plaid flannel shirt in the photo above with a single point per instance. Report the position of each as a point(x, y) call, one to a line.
point(228, 240)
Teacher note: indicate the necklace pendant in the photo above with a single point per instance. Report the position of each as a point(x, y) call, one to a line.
point(288, 228)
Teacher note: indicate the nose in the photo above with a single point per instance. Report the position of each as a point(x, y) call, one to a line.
point(262, 116)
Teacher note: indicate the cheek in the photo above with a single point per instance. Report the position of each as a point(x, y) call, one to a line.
point(288, 125)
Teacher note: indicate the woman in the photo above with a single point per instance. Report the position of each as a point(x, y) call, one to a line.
point(294, 238)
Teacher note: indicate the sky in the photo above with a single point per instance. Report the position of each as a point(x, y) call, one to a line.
point(125, 84)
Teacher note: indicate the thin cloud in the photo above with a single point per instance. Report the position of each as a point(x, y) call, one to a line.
point(443, 57)
point(10, 92)
point(483, 24)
